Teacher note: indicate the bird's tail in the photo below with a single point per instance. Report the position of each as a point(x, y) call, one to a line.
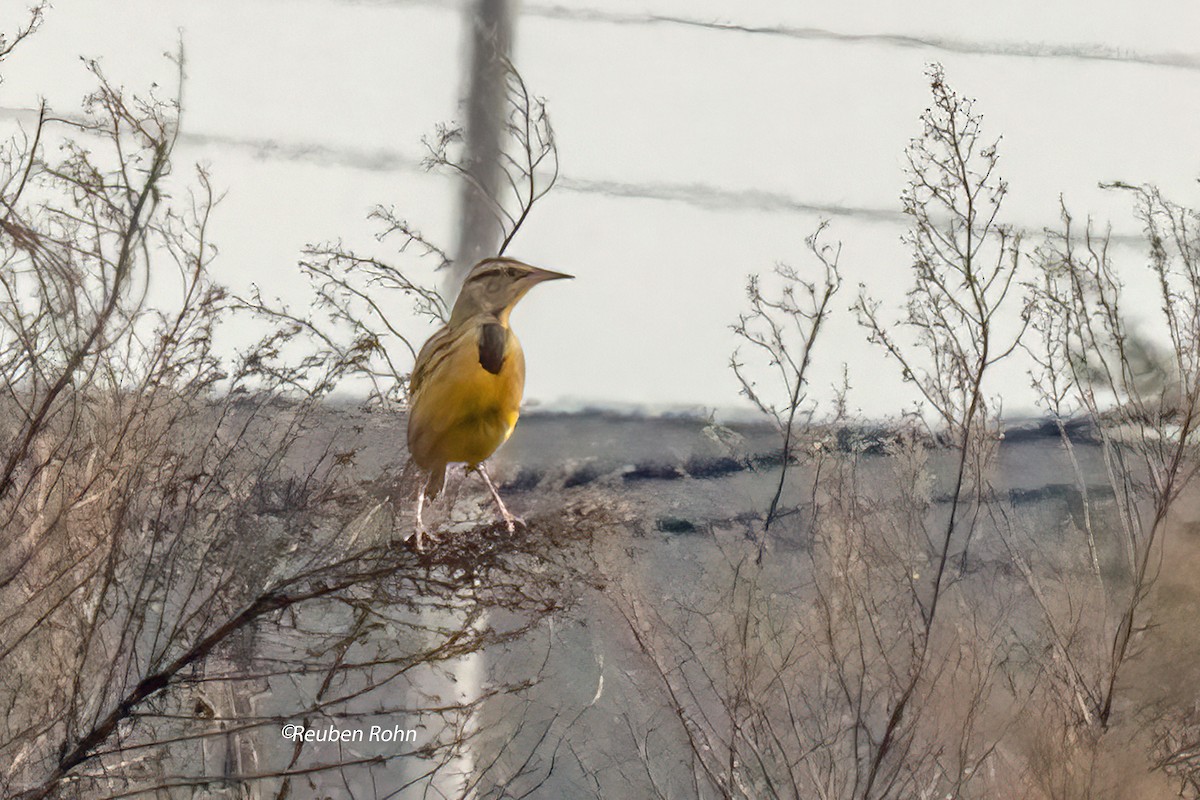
point(437, 479)
point(413, 479)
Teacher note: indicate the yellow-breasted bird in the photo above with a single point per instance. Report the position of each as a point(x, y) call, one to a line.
point(466, 387)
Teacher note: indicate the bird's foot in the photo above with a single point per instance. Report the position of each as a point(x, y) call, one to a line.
point(421, 531)
point(511, 521)
point(420, 536)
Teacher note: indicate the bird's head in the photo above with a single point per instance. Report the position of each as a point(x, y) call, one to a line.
point(495, 285)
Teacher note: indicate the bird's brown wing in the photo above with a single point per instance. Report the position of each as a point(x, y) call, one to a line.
point(432, 352)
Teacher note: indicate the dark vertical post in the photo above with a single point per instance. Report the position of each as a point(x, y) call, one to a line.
point(489, 24)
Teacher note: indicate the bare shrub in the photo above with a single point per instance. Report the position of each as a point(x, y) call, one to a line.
point(784, 331)
point(965, 263)
point(1137, 382)
point(875, 660)
point(186, 563)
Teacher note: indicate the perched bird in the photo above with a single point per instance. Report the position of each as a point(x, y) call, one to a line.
point(465, 390)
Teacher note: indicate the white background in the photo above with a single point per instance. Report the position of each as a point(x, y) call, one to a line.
point(693, 153)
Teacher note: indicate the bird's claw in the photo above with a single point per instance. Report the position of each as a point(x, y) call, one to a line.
point(419, 536)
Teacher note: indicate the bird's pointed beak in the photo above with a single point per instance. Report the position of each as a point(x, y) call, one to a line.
point(539, 275)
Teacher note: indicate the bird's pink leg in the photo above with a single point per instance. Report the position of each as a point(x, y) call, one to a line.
point(421, 531)
point(510, 521)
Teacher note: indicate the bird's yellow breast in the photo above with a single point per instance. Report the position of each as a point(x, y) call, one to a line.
point(461, 412)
